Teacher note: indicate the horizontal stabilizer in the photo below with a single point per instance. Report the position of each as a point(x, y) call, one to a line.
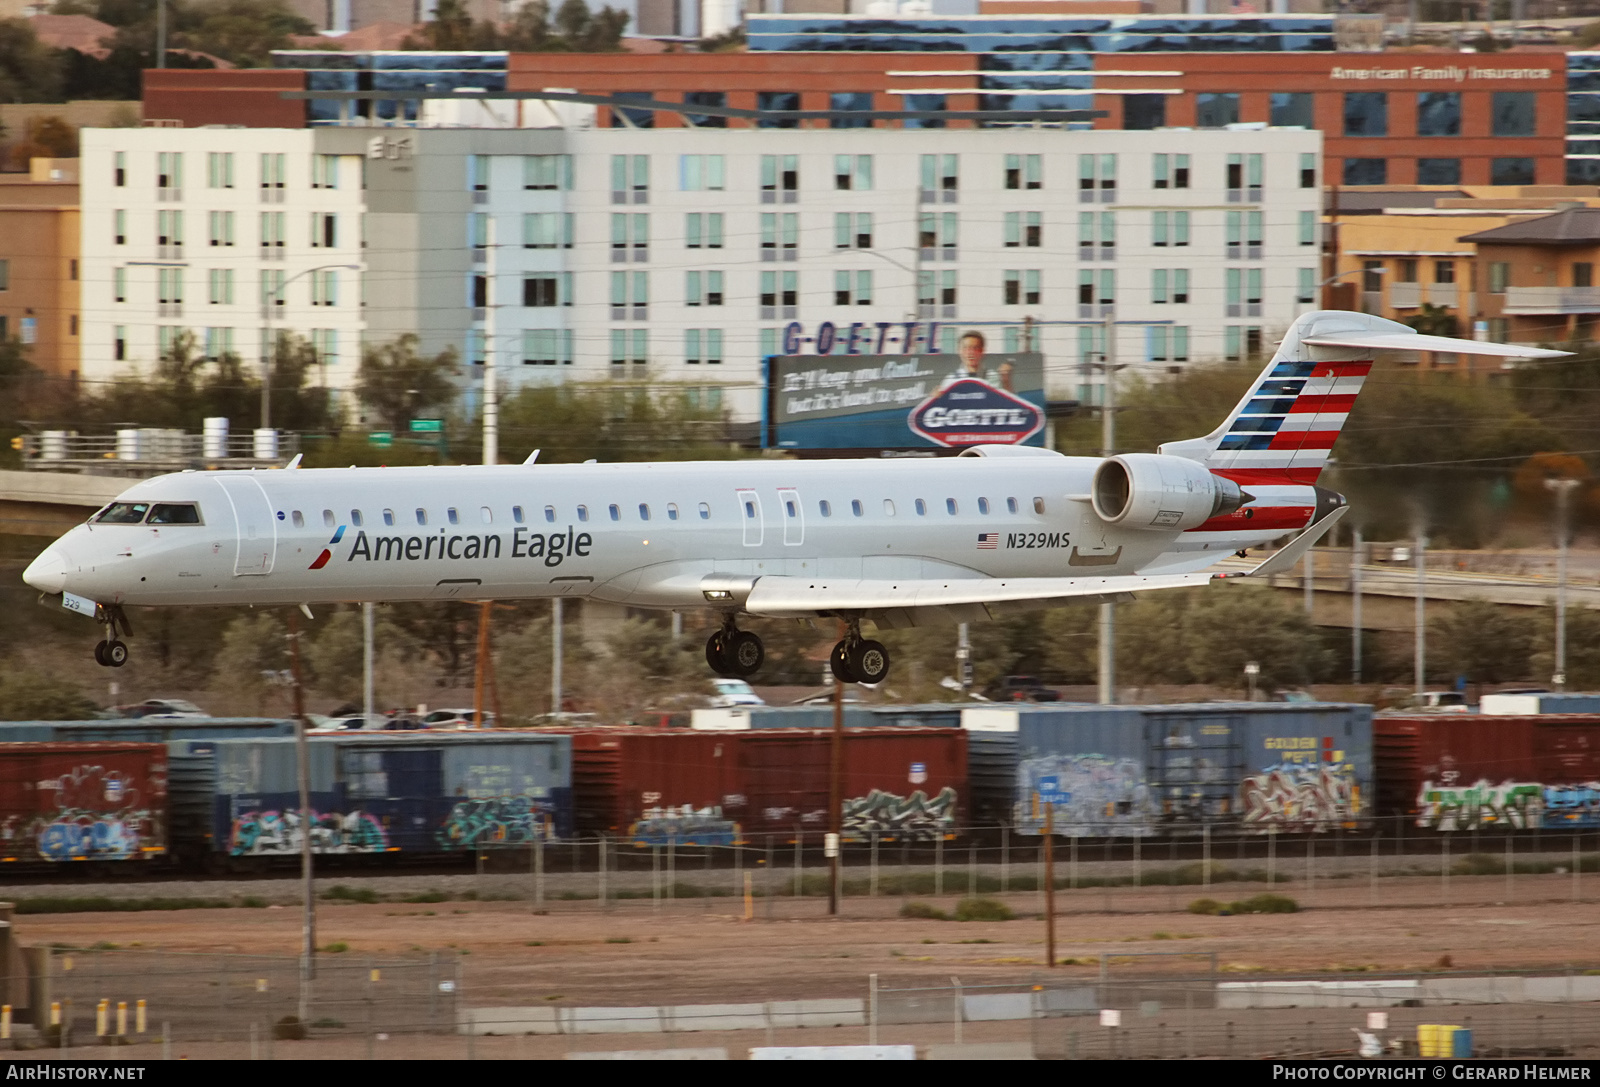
point(1285, 558)
point(1415, 341)
point(780, 596)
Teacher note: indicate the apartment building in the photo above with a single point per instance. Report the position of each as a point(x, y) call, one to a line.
point(685, 256)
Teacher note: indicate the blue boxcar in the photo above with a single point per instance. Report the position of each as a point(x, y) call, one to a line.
point(382, 793)
point(142, 730)
point(1142, 770)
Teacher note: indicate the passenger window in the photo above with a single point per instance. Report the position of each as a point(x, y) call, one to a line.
point(1038, 505)
point(950, 506)
point(388, 517)
point(888, 507)
point(749, 509)
point(983, 506)
point(672, 511)
point(123, 513)
point(644, 512)
point(616, 514)
point(422, 516)
point(583, 513)
point(922, 508)
point(516, 514)
point(825, 509)
point(789, 508)
point(855, 506)
point(550, 514)
point(487, 515)
point(453, 517)
point(1011, 505)
point(355, 518)
point(296, 516)
point(705, 512)
point(327, 518)
point(175, 513)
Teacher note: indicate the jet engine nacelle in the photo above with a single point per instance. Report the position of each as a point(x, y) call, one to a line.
point(1152, 491)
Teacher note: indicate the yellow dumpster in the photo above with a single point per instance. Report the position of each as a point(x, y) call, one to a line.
point(1436, 1040)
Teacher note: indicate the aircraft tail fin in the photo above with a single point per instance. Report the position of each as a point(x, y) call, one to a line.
point(1284, 428)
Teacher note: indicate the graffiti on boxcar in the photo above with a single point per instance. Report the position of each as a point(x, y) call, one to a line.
point(1096, 794)
point(277, 833)
point(686, 825)
point(1298, 796)
point(1572, 805)
point(99, 815)
point(914, 817)
point(493, 821)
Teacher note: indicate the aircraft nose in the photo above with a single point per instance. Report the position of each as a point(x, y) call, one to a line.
point(48, 572)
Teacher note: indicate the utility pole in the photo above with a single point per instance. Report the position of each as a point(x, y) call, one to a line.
point(556, 617)
point(1420, 619)
point(835, 794)
point(1563, 491)
point(308, 903)
point(1049, 884)
point(1108, 444)
point(1356, 556)
point(161, 33)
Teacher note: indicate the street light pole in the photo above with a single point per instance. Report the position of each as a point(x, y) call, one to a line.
point(273, 301)
point(1563, 491)
point(1108, 447)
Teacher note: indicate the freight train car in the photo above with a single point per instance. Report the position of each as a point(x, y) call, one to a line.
point(1460, 771)
point(1135, 771)
point(373, 793)
point(82, 801)
point(716, 788)
point(745, 718)
point(143, 730)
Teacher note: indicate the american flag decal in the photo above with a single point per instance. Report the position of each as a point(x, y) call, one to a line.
point(988, 541)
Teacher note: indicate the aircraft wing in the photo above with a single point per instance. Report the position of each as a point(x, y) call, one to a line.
point(1401, 341)
point(911, 602)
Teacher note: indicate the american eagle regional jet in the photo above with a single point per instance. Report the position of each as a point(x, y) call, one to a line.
point(891, 542)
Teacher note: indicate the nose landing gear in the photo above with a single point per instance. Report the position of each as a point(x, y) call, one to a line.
point(112, 652)
point(734, 652)
point(859, 660)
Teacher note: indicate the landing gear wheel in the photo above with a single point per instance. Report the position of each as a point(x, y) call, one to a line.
point(869, 661)
point(716, 655)
point(100, 655)
point(744, 653)
point(839, 663)
point(116, 653)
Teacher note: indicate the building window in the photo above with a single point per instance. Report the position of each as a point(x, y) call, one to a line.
point(1097, 235)
point(1169, 171)
point(852, 230)
point(925, 103)
point(119, 342)
point(1024, 229)
point(1241, 342)
point(1366, 113)
point(702, 289)
point(780, 293)
point(1097, 179)
point(1444, 271)
point(221, 224)
point(780, 233)
point(273, 233)
point(1366, 171)
point(221, 286)
point(1582, 273)
point(852, 173)
point(850, 102)
point(547, 230)
point(629, 345)
point(622, 117)
point(1167, 343)
point(1439, 113)
point(936, 235)
point(169, 172)
point(478, 170)
point(547, 290)
point(1291, 110)
point(718, 99)
point(1514, 114)
point(1305, 286)
point(1169, 228)
point(780, 174)
point(940, 178)
point(630, 296)
point(119, 281)
point(1243, 287)
point(1216, 110)
point(852, 289)
point(325, 287)
point(219, 170)
point(324, 172)
point(936, 294)
point(119, 227)
point(1308, 228)
point(702, 346)
point(325, 230)
point(1438, 171)
point(274, 169)
point(778, 102)
point(1144, 112)
point(1243, 235)
point(1024, 172)
point(119, 169)
point(1022, 287)
point(1096, 288)
point(630, 237)
point(700, 173)
point(1169, 285)
point(324, 344)
point(1407, 272)
point(1244, 179)
point(1308, 170)
point(1512, 171)
point(703, 230)
point(547, 347)
point(546, 172)
point(1499, 276)
point(630, 179)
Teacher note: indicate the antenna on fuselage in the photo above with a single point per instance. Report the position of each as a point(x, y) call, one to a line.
point(531, 458)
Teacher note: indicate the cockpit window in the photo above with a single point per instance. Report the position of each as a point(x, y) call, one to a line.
point(175, 513)
point(123, 513)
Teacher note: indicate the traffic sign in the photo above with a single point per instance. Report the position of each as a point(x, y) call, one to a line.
point(1050, 791)
point(380, 438)
point(427, 426)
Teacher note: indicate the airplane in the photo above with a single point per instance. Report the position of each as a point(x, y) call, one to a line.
point(892, 542)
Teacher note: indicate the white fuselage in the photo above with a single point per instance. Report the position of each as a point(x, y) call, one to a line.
point(647, 535)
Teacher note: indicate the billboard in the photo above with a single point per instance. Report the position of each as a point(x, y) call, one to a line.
point(920, 402)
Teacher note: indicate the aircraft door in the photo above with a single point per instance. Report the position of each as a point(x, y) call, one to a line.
point(254, 525)
point(794, 517)
point(750, 517)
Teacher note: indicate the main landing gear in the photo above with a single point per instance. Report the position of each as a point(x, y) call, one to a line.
point(112, 652)
point(734, 652)
point(859, 660)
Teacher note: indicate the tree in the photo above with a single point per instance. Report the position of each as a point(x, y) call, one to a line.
point(30, 71)
point(335, 655)
point(37, 696)
point(1485, 642)
point(1226, 627)
point(1432, 320)
point(1583, 648)
point(243, 32)
point(48, 137)
point(571, 423)
point(399, 385)
point(254, 652)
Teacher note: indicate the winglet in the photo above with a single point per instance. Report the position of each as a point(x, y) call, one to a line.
point(1286, 557)
point(531, 458)
point(295, 463)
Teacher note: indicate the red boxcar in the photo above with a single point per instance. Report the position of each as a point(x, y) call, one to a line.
point(1455, 771)
point(82, 801)
point(714, 788)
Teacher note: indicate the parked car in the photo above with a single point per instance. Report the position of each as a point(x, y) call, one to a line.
point(1441, 702)
point(353, 722)
point(447, 719)
point(734, 692)
point(1020, 689)
point(165, 709)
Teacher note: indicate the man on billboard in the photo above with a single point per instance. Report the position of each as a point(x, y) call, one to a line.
point(970, 351)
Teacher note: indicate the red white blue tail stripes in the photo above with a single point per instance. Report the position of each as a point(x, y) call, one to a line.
point(1285, 427)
